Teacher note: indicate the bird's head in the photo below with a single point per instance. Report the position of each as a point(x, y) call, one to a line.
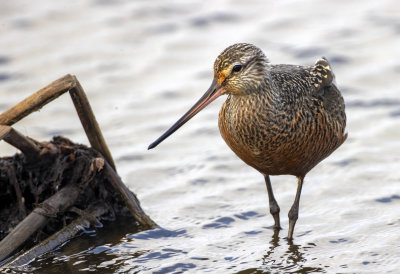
point(238, 70)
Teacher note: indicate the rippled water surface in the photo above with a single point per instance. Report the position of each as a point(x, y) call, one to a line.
point(144, 63)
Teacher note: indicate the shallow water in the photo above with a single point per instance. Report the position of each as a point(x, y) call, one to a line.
point(144, 63)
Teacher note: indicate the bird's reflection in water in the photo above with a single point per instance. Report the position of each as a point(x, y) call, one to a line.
point(294, 259)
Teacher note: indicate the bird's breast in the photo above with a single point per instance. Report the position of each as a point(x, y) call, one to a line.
point(277, 140)
point(246, 124)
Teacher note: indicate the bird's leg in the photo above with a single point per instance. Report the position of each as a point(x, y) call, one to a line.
point(273, 205)
point(294, 210)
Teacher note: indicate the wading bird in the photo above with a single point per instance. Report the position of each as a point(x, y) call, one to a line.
point(279, 119)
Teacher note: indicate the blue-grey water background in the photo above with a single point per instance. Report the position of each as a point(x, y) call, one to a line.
point(144, 63)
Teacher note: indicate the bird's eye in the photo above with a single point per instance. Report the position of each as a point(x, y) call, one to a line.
point(236, 68)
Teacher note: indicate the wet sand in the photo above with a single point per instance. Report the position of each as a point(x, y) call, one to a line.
point(144, 63)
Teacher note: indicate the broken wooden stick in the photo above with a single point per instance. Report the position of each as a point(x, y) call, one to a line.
point(130, 199)
point(37, 100)
point(52, 91)
point(89, 122)
point(16, 139)
point(20, 199)
point(58, 238)
point(37, 218)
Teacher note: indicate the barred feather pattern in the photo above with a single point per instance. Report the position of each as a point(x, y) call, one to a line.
point(280, 119)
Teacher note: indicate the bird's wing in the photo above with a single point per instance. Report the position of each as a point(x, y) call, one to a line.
point(306, 84)
point(320, 76)
point(295, 82)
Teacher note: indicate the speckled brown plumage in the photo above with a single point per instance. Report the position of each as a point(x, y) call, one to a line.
point(286, 122)
point(279, 119)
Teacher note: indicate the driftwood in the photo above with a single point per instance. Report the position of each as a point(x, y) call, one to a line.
point(63, 199)
point(63, 235)
point(52, 91)
point(69, 184)
point(14, 138)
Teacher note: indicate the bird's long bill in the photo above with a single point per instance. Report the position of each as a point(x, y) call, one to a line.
point(211, 94)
